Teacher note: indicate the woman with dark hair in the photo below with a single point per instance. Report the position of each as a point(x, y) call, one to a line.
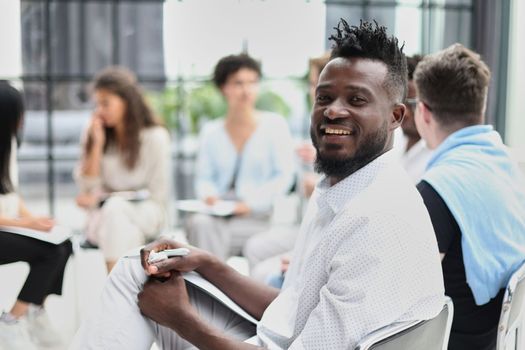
point(26, 325)
point(246, 157)
point(125, 149)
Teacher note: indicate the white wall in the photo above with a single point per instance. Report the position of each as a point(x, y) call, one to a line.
point(10, 39)
point(515, 122)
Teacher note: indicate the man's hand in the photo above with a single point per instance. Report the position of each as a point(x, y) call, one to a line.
point(191, 262)
point(168, 304)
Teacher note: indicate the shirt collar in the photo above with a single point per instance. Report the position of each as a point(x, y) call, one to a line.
point(335, 197)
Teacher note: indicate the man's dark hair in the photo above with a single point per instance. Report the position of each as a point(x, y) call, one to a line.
point(412, 62)
point(453, 83)
point(230, 65)
point(370, 40)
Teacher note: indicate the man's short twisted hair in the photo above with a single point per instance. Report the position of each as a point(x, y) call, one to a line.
point(371, 41)
point(453, 83)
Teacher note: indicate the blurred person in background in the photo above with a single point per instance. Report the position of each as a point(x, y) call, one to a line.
point(245, 157)
point(473, 190)
point(408, 144)
point(26, 326)
point(268, 252)
point(124, 172)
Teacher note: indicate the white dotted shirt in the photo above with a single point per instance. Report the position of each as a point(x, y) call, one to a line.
point(366, 257)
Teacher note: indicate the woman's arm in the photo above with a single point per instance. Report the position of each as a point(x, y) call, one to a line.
point(26, 220)
point(91, 160)
point(35, 223)
point(157, 149)
point(23, 212)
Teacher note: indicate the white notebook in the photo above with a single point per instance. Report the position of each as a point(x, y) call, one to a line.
point(198, 281)
point(57, 235)
point(220, 208)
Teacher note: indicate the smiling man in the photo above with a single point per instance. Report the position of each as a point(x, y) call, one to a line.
point(366, 255)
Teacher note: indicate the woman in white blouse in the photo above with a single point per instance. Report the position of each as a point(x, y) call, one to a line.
point(247, 156)
point(26, 325)
point(125, 149)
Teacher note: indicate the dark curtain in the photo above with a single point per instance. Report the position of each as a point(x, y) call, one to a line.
point(490, 38)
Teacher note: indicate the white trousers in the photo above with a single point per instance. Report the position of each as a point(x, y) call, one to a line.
point(116, 322)
point(264, 250)
point(121, 225)
point(223, 237)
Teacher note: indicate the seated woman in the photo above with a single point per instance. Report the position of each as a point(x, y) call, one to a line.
point(125, 149)
point(26, 325)
point(247, 157)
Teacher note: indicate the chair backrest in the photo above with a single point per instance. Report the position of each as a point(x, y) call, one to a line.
point(431, 334)
point(512, 310)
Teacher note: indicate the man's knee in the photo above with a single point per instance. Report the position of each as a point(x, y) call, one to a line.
point(130, 266)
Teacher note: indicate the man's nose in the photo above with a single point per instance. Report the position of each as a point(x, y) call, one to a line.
point(336, 110)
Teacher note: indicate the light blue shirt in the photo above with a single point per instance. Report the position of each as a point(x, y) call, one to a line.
point(485, 191)
point(266, 168)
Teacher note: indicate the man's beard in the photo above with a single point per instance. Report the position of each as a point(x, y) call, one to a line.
point(371, 147)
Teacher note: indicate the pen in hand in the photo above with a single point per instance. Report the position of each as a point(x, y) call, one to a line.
point(155, 257)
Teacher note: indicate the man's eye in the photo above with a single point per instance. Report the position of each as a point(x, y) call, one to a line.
point(357, 100)
point(321, 98)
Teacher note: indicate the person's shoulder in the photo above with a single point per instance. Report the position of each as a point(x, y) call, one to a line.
point(155, 135)
point(155, 131)
point(392, 191)
point(275, 126)
point(272, 118)
point(212, 126)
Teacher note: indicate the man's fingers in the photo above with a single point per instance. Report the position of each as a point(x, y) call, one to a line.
point(156, 246)
point(166, 265)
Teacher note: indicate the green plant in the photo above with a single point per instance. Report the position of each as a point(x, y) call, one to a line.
point(166, 104)
point(205, 102)
point(270, 101)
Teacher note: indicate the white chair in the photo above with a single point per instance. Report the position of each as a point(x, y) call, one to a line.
point(512, 312)
point(431, 334)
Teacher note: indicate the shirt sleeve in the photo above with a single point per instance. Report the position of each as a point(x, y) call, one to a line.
point(158, 179)
point(357, 298)
point(283, 169)
point(85, 183)
point(205, 184)
point(445, 226)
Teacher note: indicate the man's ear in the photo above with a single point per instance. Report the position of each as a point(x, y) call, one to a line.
point(426, 115)
point(397, 116)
